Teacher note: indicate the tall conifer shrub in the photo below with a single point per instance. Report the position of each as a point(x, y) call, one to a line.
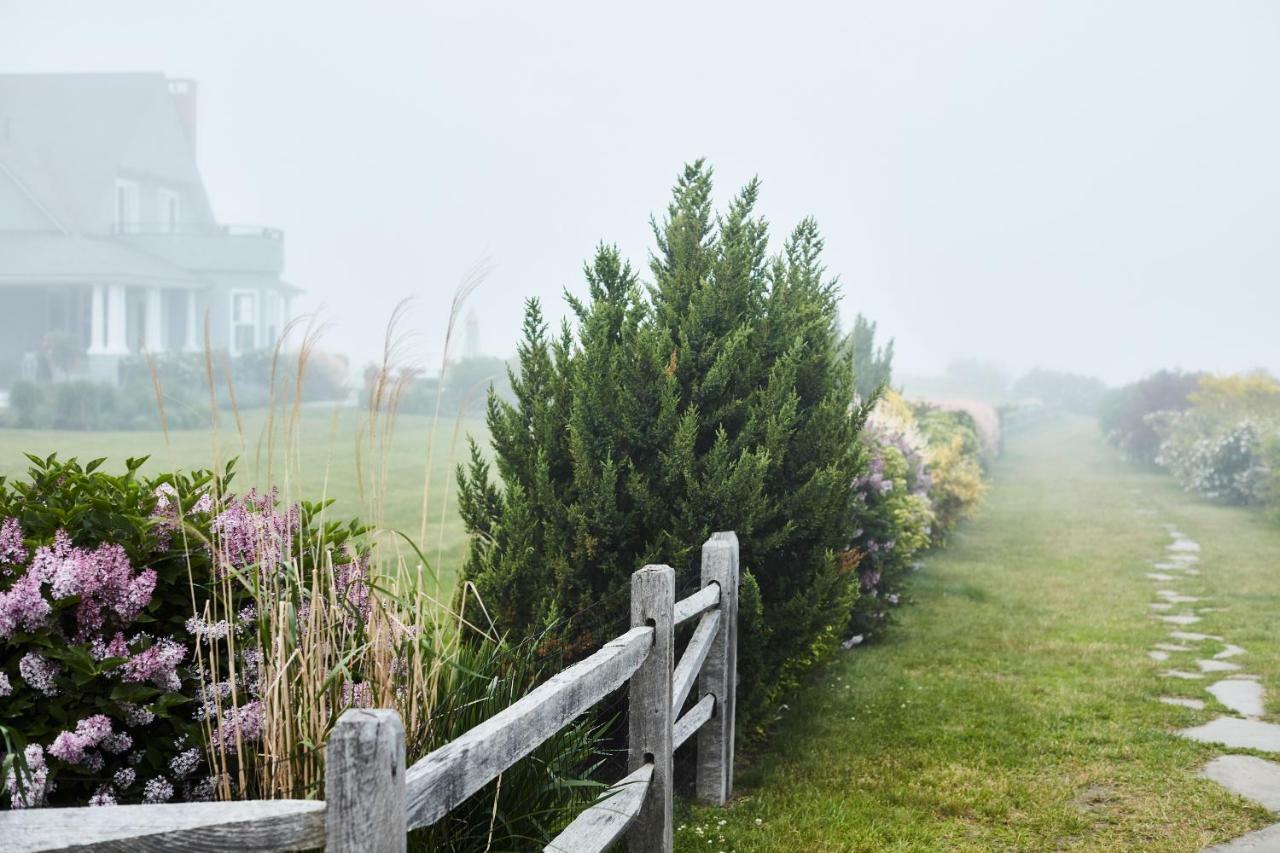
point(715, 397)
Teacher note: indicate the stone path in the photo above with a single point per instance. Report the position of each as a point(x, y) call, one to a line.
point(1240, 693)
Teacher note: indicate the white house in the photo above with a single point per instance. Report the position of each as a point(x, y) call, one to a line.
point(108, 245)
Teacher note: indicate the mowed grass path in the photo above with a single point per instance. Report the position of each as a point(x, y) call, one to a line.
point(1014, 706)
point(324, 465)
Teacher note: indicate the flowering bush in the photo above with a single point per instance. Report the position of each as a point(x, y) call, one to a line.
point(1218, 447)
point(129, 641)
point(956, 453)
point(898, 514)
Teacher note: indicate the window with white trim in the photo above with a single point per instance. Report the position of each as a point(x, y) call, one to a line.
point(244, 320)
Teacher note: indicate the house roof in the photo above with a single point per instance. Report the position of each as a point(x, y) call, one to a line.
point(52, 258)
point(65, 138)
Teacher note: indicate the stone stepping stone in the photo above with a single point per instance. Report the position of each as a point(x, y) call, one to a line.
point(1193, 704)
point(1229, 652)
point(1171, 647)
point(1158, 655)
point(1217, 666)
point(1237, 733)
point(1180, 619)
point(1174, 598)
point(1178, 673)
point(1212, 609)
point(1166, 567)
point(1240, 695)
point(1160, 605)
point(1252, 778)
point(1184, 545)
point(1193, 637)
point(1263, 841)
point(1161, 577)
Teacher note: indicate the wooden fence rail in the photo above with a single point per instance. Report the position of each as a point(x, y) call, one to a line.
point(372, 800)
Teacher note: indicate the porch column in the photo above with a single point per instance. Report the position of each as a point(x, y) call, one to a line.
point(97, 320)
point(192, 343)
point(153, 328)
point(116, 343)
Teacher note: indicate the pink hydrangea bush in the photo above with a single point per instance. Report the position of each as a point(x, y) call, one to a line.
point(107, 642)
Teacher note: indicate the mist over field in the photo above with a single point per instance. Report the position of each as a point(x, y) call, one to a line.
point(1079, 186)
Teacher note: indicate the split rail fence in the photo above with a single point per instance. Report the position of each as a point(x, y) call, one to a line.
point(372, 800)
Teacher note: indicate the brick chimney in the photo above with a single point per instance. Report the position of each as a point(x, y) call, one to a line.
point(184, 98)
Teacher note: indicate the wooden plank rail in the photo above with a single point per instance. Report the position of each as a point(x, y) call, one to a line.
point(700, 602)
point(250, 825)
point(694, 656)
point(605, 822)
point(692, 720)
point(440, 781)
point(372, 800)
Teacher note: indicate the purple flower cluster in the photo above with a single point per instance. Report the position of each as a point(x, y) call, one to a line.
point(103, 579)
point(12, 550)
point(30, 788)
point(243, 723)
point(73, 747)
point(357, 695)
point(252, 532)
point(157, 664)
point(351, 581)
point(39, 673)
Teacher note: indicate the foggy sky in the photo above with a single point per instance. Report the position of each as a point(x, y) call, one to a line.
point(1075, 185)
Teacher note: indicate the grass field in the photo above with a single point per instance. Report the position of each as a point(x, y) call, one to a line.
point(1014, 707)
point(322, 462)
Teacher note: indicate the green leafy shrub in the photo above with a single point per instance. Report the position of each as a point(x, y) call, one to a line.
point(717, 398)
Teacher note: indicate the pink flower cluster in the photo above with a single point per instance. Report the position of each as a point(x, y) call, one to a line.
point(12, 551)
point(244, 721)
point(39, 673)
point(71, 747)
point(103, 579)
point(33, 788)
point(251, 532)
point(157, 664)
point(351, 580)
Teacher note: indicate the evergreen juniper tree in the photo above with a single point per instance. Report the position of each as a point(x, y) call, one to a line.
point(719, 397)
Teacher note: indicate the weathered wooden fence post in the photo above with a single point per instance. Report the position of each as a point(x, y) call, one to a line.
point(653, 599)
point(720, 673)
point(364, 783)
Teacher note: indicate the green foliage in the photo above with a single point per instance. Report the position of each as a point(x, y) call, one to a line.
point(717, 398)
point(537, 796)
point(872, 366)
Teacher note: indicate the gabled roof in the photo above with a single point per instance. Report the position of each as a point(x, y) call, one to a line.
point(65, 138)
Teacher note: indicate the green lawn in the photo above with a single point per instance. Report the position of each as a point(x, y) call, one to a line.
point(1014, 706)
point(322, 462)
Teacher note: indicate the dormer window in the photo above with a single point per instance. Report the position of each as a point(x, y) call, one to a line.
point(126, 218)
point(168, 211)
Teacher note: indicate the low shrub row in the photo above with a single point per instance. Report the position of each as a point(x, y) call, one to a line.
point(178, 391)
